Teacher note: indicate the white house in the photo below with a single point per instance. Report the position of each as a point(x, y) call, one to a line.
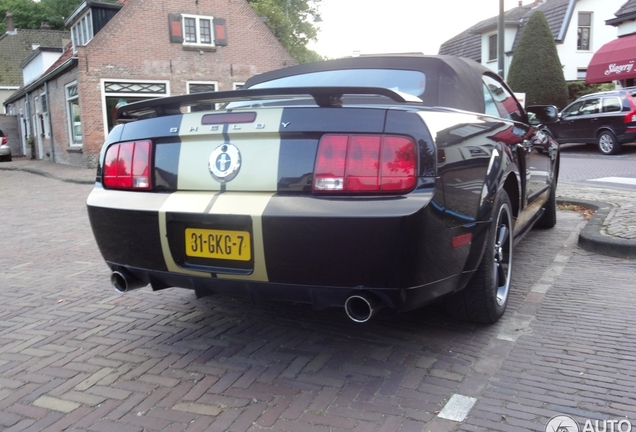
point(578, 28)
point(616, 60)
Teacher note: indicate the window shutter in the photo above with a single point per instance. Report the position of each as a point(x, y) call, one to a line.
point(176, 31)
point(220, 33)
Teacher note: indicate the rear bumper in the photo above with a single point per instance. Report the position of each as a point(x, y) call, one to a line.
point(319, 297)
point(627, 137)
point(305, 249)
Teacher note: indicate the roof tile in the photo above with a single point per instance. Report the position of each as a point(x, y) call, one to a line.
point(14, 49)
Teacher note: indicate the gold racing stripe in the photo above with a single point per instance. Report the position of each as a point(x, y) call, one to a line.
point(181, 202)
point(252, 204)
point(247, 194)
point(258, 143)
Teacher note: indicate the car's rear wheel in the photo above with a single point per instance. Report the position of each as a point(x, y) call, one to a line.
point(485, 299)
point(607, 143)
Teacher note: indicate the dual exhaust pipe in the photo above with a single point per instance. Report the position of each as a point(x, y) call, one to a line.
point(359, 307)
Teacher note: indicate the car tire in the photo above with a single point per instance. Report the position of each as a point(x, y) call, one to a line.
point(485, 298)
point(607, 143)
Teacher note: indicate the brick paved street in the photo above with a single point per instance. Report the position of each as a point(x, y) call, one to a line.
point(75, 355)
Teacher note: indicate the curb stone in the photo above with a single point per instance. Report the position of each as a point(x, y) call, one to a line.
point(592, 239)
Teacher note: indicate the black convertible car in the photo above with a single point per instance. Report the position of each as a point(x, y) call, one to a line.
point(360, 183)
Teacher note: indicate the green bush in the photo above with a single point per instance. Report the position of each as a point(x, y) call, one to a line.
point(536, 69)
point(576, 89)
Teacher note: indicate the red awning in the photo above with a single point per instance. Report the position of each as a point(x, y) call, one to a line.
point(616, 60)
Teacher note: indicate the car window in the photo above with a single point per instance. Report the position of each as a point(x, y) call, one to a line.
point(612, 104)
point(506, 103)
point(491, 107)
point(406, 81)
point(591, 106)
point(572, 110)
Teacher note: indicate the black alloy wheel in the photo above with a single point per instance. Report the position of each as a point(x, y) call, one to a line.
point(485, 298)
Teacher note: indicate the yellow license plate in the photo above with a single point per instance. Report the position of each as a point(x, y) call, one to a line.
point(218, 244)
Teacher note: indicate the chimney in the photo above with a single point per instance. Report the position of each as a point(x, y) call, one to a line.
point(44, 25)
point(10, 26)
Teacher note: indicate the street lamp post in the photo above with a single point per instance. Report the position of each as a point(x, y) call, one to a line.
point(500, 39)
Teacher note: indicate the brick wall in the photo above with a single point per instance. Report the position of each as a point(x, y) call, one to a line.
point(135, 45)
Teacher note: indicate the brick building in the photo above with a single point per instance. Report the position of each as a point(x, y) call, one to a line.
point(134, 50)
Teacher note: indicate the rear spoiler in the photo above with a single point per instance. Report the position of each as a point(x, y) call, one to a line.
point(323, 96)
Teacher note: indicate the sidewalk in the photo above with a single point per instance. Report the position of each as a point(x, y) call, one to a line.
point(611, 231)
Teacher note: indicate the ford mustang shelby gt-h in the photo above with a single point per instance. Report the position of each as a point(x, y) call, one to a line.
point(361, 183)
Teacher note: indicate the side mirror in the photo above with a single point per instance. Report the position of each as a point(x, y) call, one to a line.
point(542, 114)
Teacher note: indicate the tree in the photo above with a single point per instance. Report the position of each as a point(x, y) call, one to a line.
point(26, 14)
point(29, 14)
point(536, 69)
point(292, 22)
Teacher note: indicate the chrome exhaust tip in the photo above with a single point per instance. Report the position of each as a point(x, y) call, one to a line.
point(361, 307)
point(123, 281)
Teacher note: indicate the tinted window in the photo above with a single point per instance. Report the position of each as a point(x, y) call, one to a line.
point(506, 103)
point(572, 110)
point(612, 104)
point(591, 106)
point(405, 81)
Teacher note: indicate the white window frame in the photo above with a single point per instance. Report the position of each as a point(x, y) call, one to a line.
point(214, 83)
point(581, 73)
point(44, 101)
point(121, 94)
point(82, 31)
point(581, 28)
point(238, 85)
point(490, 39)
point(69, 115)
point(197, 19)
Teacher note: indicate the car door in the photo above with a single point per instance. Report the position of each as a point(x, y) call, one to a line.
point(564, 130)
point(533, 152)
point(611, 115)
point(586, 123)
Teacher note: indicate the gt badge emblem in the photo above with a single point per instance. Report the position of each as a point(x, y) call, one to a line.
point(225, 162)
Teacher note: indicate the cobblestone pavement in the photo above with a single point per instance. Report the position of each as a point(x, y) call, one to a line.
point(74, 355)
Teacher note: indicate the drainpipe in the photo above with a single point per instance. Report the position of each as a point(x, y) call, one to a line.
point(48, 106)
point(29, 129)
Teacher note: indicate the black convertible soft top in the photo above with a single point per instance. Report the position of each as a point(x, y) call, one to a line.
point(453, 82)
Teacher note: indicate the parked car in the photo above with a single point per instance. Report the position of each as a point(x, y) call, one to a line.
point(5, 149)
point(607, 119)
point(360, 183)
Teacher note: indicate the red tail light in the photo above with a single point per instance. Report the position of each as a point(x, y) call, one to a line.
point(631, 116)
point(365, 163)
point(5, 140)
point(127, 166)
